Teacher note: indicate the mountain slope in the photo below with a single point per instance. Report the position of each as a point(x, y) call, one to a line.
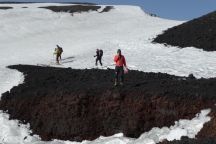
point(29, 35)
point(199, 33)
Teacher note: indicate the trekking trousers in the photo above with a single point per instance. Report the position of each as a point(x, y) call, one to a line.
point(119, 71)
point(57, 58)
point(98, 59)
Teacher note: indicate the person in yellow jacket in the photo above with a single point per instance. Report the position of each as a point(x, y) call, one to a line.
point(58, 54)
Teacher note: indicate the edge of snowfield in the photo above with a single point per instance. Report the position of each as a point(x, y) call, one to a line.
point(11, 131)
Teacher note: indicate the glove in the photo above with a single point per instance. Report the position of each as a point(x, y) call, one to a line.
point(94, 56)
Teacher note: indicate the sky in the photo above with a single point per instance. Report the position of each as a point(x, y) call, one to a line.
point(168, 9)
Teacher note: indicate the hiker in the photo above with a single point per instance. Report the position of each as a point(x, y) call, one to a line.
point(119, 69)
point(58, 54)
point(61, 50)
point(99, 54)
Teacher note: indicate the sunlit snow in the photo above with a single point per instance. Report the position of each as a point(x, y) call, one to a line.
point(29, 36)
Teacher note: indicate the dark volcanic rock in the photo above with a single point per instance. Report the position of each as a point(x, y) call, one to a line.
point(73, 8)
point(209, 128)
point(5, 8)
point(186, 140)
point(199, 33)
point(107, 9)
point(69, 104)
point(83, 3)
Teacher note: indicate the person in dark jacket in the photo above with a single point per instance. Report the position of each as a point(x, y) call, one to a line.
point(99, 54)
point(119, 69)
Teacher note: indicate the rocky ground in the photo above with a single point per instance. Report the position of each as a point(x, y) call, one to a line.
point(69, 104)
point(5, 8)
point(78, 8)
point(73, 8)
point(199, 33)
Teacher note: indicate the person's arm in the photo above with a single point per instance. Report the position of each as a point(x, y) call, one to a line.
point(56, 51)
point(124, 62)
point(116, 58)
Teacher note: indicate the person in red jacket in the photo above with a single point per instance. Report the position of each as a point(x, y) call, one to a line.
point(119, 69)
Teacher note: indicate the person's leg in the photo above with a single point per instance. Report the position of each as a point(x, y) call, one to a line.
point(96, 61)
point(57, 59)
point(57, 56)
point(116, 74)
point(60, 56)
point(100, 61)
point(121, 74)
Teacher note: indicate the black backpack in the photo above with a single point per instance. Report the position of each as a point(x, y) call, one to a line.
point(100, 53)
point(61, 50)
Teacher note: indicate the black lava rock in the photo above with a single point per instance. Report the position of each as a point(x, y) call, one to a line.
point(199, 33)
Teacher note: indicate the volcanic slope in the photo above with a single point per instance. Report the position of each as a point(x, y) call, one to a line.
point(69, 104)
point(35, 32)
point(199, 33)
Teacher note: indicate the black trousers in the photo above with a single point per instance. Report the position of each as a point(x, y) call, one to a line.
point(98, 59)
point(119, 72)
point(57, 58)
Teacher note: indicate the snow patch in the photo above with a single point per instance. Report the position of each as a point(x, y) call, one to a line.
point(9, 78)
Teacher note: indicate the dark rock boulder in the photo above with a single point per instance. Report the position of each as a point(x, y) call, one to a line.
point(5, 8)
point(107, 9)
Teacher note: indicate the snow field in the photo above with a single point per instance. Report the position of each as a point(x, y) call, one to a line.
point(29, 36)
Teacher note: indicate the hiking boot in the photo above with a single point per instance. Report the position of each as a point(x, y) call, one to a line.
point(115, 84)
point(57, 63)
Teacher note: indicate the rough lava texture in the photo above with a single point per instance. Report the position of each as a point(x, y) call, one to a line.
point(73, 8)
point(107, 9)
point(199, 33)
point(209, 129)
point(76, 105)
point(5, 8)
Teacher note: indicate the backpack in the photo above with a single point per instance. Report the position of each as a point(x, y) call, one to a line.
point(57, 51)
point(100, 53)
point(60, 50)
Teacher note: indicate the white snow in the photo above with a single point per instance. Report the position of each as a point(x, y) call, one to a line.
point(29, 36)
